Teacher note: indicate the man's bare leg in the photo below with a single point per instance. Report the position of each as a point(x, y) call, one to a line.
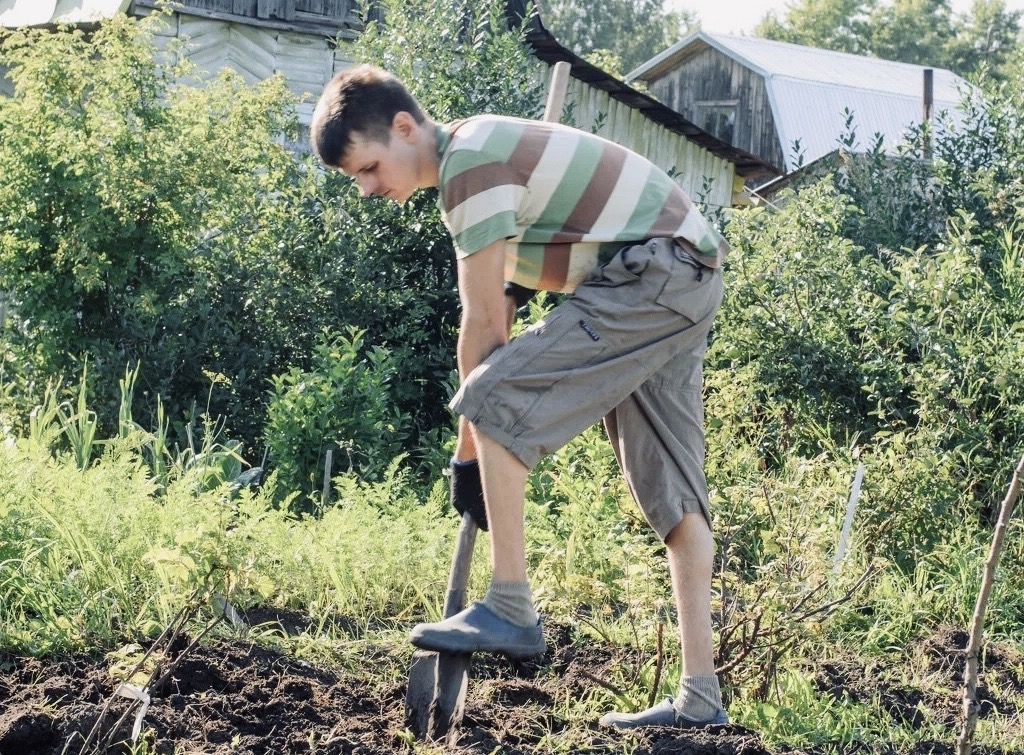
point(505, 621)
point(504, 478)
point(691, 552)
point(691, 561)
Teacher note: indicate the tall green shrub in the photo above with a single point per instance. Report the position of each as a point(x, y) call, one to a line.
point(885, 301)
point(117, 182)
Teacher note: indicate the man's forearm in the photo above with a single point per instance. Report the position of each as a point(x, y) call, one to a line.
point(485, 322)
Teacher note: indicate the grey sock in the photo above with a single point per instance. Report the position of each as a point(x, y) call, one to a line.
point(512, 601)
point(700, 697)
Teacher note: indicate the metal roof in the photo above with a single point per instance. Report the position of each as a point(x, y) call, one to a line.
point(14, 14)
point(810, 89)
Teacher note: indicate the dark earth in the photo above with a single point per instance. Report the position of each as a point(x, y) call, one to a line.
point(231, 696)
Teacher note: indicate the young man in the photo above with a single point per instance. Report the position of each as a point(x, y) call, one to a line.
point(549, 207)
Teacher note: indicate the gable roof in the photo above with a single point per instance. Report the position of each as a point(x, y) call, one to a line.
point(885, 97)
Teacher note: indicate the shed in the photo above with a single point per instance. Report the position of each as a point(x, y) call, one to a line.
point(788, 103)
point(305, 41)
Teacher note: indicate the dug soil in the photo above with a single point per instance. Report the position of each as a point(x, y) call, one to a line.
point(232, 696)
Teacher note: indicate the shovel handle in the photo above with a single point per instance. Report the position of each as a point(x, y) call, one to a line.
point(455, 599)
point(557, 87)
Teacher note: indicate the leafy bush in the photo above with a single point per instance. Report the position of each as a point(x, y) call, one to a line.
point(341, 404)
point(116, 178)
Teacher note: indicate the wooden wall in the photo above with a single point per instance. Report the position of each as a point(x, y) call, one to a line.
point(704, 176)
point(306, 60)
point(711, 76)
point(297, 14)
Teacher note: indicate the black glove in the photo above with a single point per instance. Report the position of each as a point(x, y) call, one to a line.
point(467, 491)
point(521, 295)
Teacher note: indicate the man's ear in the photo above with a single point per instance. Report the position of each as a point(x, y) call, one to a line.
point(404, 126)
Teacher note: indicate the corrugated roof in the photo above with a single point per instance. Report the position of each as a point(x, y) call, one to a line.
point(17, 13)
point(809, 89)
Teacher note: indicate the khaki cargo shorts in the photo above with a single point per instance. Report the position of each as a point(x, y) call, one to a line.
point(627, 347)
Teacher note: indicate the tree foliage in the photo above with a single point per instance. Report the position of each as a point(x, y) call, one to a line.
point(925, 32)
point(618, 35)
point(119, 186)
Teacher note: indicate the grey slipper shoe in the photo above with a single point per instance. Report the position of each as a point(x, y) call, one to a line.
point(479, 629)
point(662, 714)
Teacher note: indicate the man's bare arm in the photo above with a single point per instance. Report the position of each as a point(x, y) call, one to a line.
point(485, 320)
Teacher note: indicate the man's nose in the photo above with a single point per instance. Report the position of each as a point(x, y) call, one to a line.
point(367, 186)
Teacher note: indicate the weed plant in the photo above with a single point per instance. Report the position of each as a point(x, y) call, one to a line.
point(93, 556)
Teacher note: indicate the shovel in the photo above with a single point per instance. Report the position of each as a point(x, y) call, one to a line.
point(436, 695)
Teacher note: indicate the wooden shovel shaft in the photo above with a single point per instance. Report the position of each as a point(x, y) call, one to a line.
point(557, 88)
point(458, 578)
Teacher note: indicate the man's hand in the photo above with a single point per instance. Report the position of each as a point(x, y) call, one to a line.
point(467, 491)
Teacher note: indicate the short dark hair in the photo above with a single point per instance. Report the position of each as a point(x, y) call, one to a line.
point(363, 99)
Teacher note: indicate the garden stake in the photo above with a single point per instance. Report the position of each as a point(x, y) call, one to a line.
point(851, 508)
point(435, 697)
point(963, 743)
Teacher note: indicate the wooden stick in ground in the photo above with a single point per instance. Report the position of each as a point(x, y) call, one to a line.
point(328, 463)
point(556, 91)
point(963, 743)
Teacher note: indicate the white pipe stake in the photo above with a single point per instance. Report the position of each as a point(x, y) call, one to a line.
point(851, 507)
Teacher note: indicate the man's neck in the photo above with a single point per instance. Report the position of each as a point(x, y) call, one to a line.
point(429, 154)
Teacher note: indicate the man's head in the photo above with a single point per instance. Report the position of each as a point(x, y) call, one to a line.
point(359, 102)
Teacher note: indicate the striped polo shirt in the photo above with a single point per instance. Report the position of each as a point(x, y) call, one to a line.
point(563, 199)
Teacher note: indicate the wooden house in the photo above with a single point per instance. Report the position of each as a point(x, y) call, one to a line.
point(307, 42)
point(789, 104)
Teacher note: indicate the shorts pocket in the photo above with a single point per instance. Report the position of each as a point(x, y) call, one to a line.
point(691, 289)
point(628, 264)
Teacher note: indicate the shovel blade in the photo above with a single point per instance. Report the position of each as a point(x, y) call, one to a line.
point(436, 696)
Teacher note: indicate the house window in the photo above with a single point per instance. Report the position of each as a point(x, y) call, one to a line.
point(718, 118)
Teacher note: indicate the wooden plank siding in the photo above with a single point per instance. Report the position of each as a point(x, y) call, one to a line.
point(710, 76)
point(594, 110)
point(325, 17)
point(306, 61)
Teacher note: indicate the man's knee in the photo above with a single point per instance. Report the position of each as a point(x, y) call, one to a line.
point(690, 532)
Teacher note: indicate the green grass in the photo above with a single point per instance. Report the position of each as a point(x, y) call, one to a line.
point(94, 556)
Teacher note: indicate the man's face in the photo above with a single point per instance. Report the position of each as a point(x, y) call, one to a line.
point(388, 170)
